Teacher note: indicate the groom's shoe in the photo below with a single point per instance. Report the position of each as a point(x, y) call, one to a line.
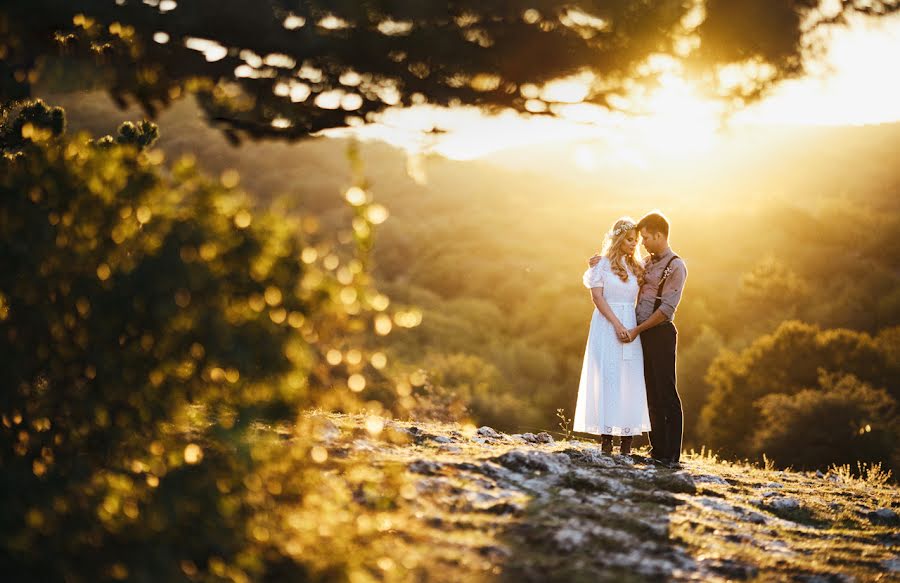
point(667, 462)
point(657, 461)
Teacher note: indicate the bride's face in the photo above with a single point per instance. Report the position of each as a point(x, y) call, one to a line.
point(629, 243)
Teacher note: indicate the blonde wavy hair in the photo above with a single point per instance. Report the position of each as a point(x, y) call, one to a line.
point(614, 250)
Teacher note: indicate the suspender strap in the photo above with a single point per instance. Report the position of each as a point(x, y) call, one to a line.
point(662, 282)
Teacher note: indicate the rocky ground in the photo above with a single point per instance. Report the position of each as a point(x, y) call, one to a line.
point(526, 507)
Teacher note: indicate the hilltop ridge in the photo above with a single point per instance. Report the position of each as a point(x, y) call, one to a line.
point(528, 507)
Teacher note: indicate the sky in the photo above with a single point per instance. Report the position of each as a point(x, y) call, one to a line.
point(857, 83)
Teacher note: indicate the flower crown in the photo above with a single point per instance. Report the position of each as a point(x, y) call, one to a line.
point(622, 228)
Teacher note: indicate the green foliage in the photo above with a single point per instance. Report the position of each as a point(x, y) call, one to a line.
point(693, 362)
point(149, 317)
point(31, 119)
point(246, 65)
point(786, 363)
point(772, 293)
point(480, 387)
point(141, 135)
point(888, 341)
point(840, 421)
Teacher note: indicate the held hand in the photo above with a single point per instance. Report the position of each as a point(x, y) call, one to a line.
point(594, 260)
point(622, 333)
point(631, 334)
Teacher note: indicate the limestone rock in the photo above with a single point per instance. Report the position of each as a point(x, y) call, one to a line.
point(731, 569)
point(884, 516)
point(485, 431)
point(676, 482)
point(785, 504)
point(589, 455)
point(530, 460)
point(591, 481)
point(425, 467)
point(710, 479)
point(568, 539)
point(542, 437)
point(756, 517)
point(715, 504)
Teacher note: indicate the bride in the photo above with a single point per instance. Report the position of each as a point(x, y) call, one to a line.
point(612, 396)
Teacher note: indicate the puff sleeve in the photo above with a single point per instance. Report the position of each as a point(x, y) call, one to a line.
point(594, 276)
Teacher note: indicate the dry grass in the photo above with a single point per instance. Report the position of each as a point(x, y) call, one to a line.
point(470, 521)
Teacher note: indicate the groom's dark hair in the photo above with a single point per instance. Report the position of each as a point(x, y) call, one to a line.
point(655, 223)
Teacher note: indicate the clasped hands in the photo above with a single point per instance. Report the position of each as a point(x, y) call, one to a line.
point(622, 333)
point(625, 335)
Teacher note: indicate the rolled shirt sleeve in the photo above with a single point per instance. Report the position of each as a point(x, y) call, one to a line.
point(673, 288)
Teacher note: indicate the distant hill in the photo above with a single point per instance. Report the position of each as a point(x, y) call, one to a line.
point(535, 208)
point(750, 163)
point(755, 164)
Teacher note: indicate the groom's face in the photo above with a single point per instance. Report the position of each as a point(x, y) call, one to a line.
point(651, 241)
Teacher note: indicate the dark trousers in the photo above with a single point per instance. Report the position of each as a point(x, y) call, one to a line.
point(666, 417)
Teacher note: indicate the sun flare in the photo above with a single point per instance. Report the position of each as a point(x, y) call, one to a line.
point(677, 121)
point(671, 122)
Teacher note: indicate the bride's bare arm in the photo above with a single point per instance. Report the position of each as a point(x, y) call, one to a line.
point(606, 311)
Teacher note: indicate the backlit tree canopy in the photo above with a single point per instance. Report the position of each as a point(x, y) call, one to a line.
point(291, 68)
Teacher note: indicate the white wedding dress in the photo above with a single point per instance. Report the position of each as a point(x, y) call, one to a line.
point(612, 396)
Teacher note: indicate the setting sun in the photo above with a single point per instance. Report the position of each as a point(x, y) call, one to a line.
point(672, 121)
point(677, 122)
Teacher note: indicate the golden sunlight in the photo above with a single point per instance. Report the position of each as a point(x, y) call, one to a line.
point(851, 84)
point(855, 84)
point(677, 122)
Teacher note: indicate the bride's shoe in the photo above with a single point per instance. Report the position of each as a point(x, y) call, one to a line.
point(625, 444)
point(606, 445)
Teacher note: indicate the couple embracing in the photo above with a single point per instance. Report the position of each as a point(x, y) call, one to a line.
point(628, 376)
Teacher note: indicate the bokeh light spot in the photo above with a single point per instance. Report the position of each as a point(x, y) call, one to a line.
point(193, 454)
point(356, 382)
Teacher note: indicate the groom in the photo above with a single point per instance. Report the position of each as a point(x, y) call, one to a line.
point(664, 277)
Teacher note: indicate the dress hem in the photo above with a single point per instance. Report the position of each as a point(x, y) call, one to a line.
point(612, 430)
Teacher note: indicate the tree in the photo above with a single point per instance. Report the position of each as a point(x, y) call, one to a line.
point(771, 292)
point(289, 69)
point(841, 421)
point(693, 362)
point(888, 341)
point(786, 362)
point(149, 319)
point(467, 385)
